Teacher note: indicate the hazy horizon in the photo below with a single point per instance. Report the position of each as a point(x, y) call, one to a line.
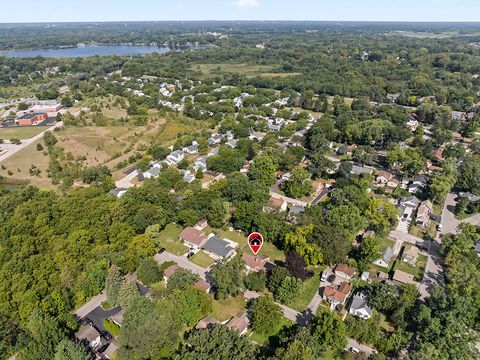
point(66, 11)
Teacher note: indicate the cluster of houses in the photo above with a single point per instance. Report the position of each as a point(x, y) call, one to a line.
point(215, 247)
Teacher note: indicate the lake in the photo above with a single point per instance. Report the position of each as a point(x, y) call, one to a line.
point(90, 50)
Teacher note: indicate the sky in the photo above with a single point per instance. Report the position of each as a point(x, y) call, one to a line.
point(159, 10)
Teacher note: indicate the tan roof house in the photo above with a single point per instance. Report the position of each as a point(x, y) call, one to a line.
point(238, 324)
point(193, 237)
point(344, 271)
point(410, 255)
point(401, 277)
point(423, 213)
point(255, 263)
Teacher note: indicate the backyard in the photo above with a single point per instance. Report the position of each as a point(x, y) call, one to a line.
point(265, 339)
point(417, 270)
point(169, 240)
point(307, 292)
point(202, 259)
point(227, 308)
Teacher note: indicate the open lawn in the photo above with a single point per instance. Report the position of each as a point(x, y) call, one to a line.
point(202, 259)
point(307, 292)
point(21, 132)
point(264, 339)
point(235, 236)
point(169, 240)
point(227, 308)
point(268, 249)
point(385, 242)
point(209, 70)
point(416, 271)
point(21, 162)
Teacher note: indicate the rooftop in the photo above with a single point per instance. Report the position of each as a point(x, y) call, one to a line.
point(217, 246)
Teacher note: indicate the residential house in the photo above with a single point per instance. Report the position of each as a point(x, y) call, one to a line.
point(202, 285)
point(469, 196)
point(151, 173)
point(218, 249)
point(200, 163)
point(238, 324)
point(437, 154)
point(89, 336)
point(255, 262)
point(383, 177)
point(336, 296)
point(359, 306)
point(344, 271)
point(477, 247)
point(258, 136)
point(423, 213)
point(365, 276)
point(206, 322)
point(384, 260)
point(192, 237)
point(215, 140)
point(110, 351)
point(410, 255)
point(118, 192)
point(232, 143)
point(188, 177)
point(410, 201)
point(401, 277)
point(117, 318)
point(275, 204)
point(192, 149)
point(213, 152)
point(295, 212)
point(393, 98)
point(169, 271)
point(359, 170)
point(418, 184)
point(175, 157)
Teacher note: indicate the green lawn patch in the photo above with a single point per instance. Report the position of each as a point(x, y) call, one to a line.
point(265, 339)
point(21, 132)
point(170, 241)
point(235, 236)
point(111, 327)
point(202, 259)
point(307, 292)
point(416, 271)
point(227, 308)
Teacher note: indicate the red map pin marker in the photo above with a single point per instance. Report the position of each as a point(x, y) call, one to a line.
point(255, 241)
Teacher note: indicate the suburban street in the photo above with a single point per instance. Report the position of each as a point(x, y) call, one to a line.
point(182, 261)
point(13, 149)
point(91, 305)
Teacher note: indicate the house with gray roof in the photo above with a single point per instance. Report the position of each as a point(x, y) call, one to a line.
point(192, 149)
point(215, 140)
point(410, 201)
point(359, 306)
point(218, 249)
point(152, 173)
point(387, 255)
point(175, 157)
point(200, 163)
point(118, 192)
point(359, 170)
point(232, 143)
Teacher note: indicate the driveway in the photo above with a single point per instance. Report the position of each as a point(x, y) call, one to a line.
point(182, 262)
point(98, 314)
point(363, 348)
point(12, 149)
point(91, 305)
point(126, 182)
point(434, 272)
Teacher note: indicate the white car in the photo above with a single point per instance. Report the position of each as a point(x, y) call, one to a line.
point(439, 227)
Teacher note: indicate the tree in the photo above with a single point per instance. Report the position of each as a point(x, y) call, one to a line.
point(276, 278)
point(333, 245)
point(468, 175)
point(299, 184)
point(228, 277)
point(215, 343)
point(265, 315)
point(188, 305)
point(381, 215)
point(369, 250)
point(295, 350)
point(299, 240)
point(346, 219)
point(113, 283)
point(149, 272)
point(320, 166)
point(69, 350)
point(45, 334)
point(141, 247)
point(365, 155)
point(147, 333)
point(255, 281)
point(329, 331)
point(288, 290)
point(296, 265)
point(181, 279)
point(263, 170)
point(128, 293)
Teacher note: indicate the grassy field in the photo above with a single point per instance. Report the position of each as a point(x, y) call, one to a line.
point(235, 236)
point(307, 292)
point(268, 249)
point(169, 240)
point(227, 308)
point(416, 271)
point(264, 339)
point(208, 70)
point(20, 163)
point(202, 259)
point(21, 132)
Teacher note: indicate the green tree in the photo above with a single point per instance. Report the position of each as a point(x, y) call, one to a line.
point(181, 279)
point(128, 293)
point(215, 343)
point(265, 315)
point(141, 247)
point(294, 351)
point(69, 350)
point(228, 277)
point(263, 170)
point(299, 184)
point(255, 281)
point(149, 272)
point(288, 290)
point(113, 284)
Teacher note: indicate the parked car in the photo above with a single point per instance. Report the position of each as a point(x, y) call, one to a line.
point(324, 276)
point(440, 227)
point(106, 335)
point(87, 321)
point(354, 350)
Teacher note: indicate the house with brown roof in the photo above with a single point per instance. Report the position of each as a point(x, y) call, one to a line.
point(401, 277)
point(169, 271)
point(193, 237)
point(255, 262)
point(344, 271)
point(202, 285)
point(238, 324)
point(336, 296)
point(410, 255)
point(383, 177)
point(275, 204)
point(89, 336)
point(206, 322)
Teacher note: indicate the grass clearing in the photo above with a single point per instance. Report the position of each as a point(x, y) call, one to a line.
point(307, 292)
point(417, 270)
point(209, 70)
point(227, 308)
point(170, 241)
point(202, 259)
point(266, 339)
point(21, 132)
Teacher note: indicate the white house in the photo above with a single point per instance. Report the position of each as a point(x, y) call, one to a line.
point(360, 307)
point(175, 157)
point(200, 163)
point(192, 149)
point(387, 255)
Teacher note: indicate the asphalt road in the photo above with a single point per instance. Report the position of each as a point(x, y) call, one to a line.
point(91, 305)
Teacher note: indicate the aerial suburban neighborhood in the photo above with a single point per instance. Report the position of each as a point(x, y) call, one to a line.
point(139, 165)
